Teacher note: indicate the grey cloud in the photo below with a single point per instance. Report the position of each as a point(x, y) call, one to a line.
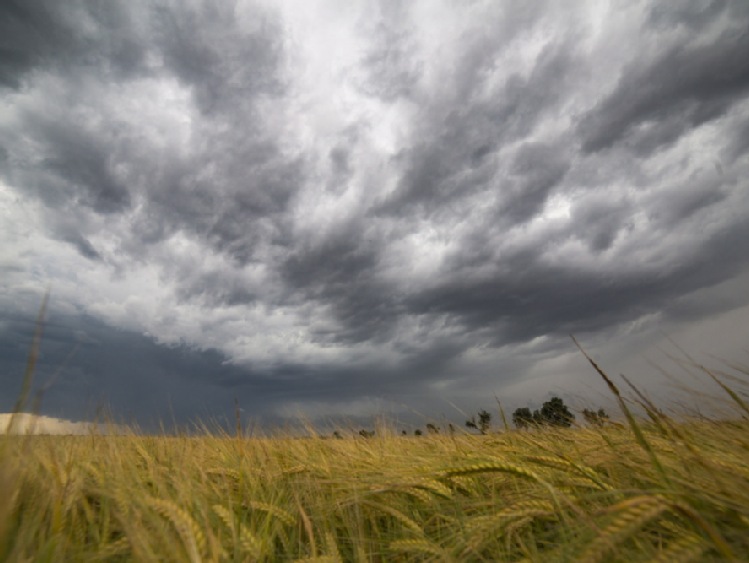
point(179, 384)
point(695, 15)
point(124, 372)
point(339, 259)
point(233, 192)
point(392, 70)
point(44, 34)
point(737, 146)
point(342, 270)
point(342, 170)
point(655, 103)
point(550, 302)
point(682, 202)
point(234, 185)
point(224, 63)
point(458, 160)
point(215, 288)
point(239, 211)
point(539, 167)
point(339, 157)
point(82, 244)
point(76, 168)
point(601, 220)
point(542, 300)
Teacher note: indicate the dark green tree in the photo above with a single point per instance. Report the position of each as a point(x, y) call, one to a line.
point(417, 432)
point(537, 418)
point(522, 417)
point(555, 413)
point(595, 418)
point(483, 424)
point(433, 429)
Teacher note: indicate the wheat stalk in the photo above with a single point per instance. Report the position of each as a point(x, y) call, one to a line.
point(423, 547)
point(395, 513)
point(279, 513)
point(492, 467)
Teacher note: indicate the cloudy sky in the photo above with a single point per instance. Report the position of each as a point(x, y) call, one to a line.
point(344, 208)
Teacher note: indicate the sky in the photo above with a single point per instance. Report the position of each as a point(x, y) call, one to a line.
point(349, 209)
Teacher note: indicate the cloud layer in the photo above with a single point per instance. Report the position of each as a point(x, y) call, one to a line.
point(335, 203)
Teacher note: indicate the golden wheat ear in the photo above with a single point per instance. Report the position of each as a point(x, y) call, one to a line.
point(28, 376)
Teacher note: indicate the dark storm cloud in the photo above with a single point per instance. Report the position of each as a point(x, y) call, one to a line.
point(738, 143)
point(40, 34)
point(538, 168)
point(601, 220)
point(655, 103)
point(237, 210)
point(682, 202)
point(300, 247)
point(342, 270)
point(83, 245)
point(528, 298)
point(694, 15)
point(454, 155)
point(85, 367)
point(234, 189)
point(233, 185)
point(73, 168)
point(223, 62)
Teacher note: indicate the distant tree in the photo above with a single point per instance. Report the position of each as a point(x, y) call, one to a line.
point(366, 433)
point(404, 433)
point(337, 435)
point(483, 424)
point(485, 420)
point(595, 418)
point(451, 428)
point(432, 429)
point(417, 432)
point(522, 417)
point(555, 413)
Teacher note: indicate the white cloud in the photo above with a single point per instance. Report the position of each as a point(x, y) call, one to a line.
point(25, 423)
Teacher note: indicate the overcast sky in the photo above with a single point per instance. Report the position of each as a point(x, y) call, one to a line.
point(351, 208)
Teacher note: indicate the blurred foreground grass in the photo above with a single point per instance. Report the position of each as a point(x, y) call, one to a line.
point(545, 495)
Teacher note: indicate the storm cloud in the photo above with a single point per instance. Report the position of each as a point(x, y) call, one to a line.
point(328, 208)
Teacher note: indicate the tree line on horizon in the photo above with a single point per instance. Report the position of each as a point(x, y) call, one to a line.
point(553, 412)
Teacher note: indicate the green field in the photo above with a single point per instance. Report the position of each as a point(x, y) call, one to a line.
point(673, 492)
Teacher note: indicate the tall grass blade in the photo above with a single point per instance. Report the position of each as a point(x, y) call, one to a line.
point(28, 376)
point(639, 436)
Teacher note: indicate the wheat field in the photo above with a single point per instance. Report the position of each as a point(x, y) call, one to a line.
point(577, 494)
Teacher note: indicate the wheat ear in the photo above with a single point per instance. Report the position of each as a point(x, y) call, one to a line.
point(188, 530)
point(632, 515)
